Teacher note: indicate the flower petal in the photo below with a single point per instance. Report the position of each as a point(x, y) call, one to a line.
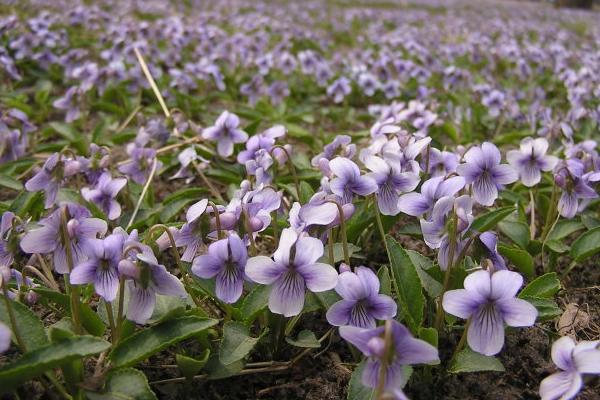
point(263, 270)
point(461, 303)
point(486, 331)
point(517, 312)
point(319, 277)
point(339, 313)
point(141, 303)
point(505, 284)
point(561, 385)
point(287, 295)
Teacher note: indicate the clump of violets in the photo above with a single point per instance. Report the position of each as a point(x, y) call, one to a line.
point(104, 193)
point(531, 159)
point(293, 269)
point(147, 278)
point(226, 133)
point(404, 350)
point(573, 360)
point(361, 303)
point(483, 171)
point(226, 262)
point(489, 302)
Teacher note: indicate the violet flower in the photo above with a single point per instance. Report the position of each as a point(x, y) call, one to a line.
point(575, 186)
point(104, 194)
point(139, 166)
point(226, 132)
point(361, 303)
point(490, 244)
point(339, 89)
point(574, 360)
point(531, 159)
point(225, 261)
point(405, 350)
point(293, 269)
point(318, 211)
point(47, 239)
point(7, 240)
point(149, 278)
point(391, 181)
point(12, 143)
point(417, 204)
point(265, 140)
point(190, 234)
point(70, 103)
point(48, 178)
point(489, 301)
point(484, 171)
point(101, 267)
point(5, 337)
point(348, 181)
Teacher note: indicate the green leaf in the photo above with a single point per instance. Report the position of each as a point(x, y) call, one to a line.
point(489, 220)
point(190, 366)
point(430, 335)
point(545, 287)
point(469, 361)
point(356, 390)
point(149, 341)
point(338, 252)
point(428, 282)
point(306, 192)
point(517, 231)
point(236, 344)
point(383, 274)
point(125, 384)
point(586, 245)
point(30, 327)
point(519, 258)
point(36, 362)
point(167, 307)
point(254, 302)
point(11, 183)
point(547, 308)
point(217, 370)
point(306, 339)
point(90, 320)
point(408, 284)
point(564, 228)
point(557, 246)
point(327, 298)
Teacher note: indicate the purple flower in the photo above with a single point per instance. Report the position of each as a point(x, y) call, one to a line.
point(139, 166)
point(12, 143)
point(318, 211)
point(391, 181)
point(573, 360)
point(48, 179)
point(47, 239)
point(149, 278)
point(348, 180)
point(405, 350)
point(226, 260)
point(484, 171)
point(70, 102)
point(575, 186)
point(7, 240)
point(190, 234)
point(341, 145)
point(225, 131)
point(294, 269)
point(489, 301)
point(101, 267)
point(531, 159)
point(5, 335)
point(490, 244)
point(362, 304)
point(339, 89)
point(103, 195)
point(265, 140)
point(435, 229)
point(417, 204)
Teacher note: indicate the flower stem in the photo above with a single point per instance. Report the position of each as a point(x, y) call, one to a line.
point(343, 231)
point(74, 290)
point(380, 226)
point(253, 248)
point(12, 317)
point(292, 168)
point(532, 211)
point(463, 339)
point(330, 246)
point(550, 213)
point(439, 318)
point(217, 220)
point(212, 189)
point(387, 338)
point(111, 320)
point(117, 337)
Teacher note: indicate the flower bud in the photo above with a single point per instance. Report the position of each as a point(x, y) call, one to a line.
point(255, 224)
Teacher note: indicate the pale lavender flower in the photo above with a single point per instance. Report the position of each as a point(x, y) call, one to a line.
point(12, 143)
point(485, 173)
point(405, 350)
point(226, 132)
point(226, 262)
point(5, 337)
point(139, 166)
point(339, 89)
point(531, 159)
point(293, 269)
point(318, 211)
point(148, 278)
point(101, 267)
point(417, 204)
point(8, 244)
point(574, 360)
point(278, 91)
point(341, 145)
point(348, 181)
point(368, 83)
point(575, 187)
point(361, 303)
point(391, 182)
point(190, 234)
point(495, 102)
point(48, 178)
point(104, 193)
point(70, 103)
point(265, 140)
point(47, 238)
point(489, 301)
point(490, 244)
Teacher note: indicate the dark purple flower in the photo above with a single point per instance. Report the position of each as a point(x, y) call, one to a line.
point(104, 194)
point(361, 303)
point(226, 133)
point(573, 360)
point(405, 350)
point(484, 171)
point(148, 278)
point(489, 301)
point(225, 261)
point(47, 239)
point(101, 267)
point(348, 181)
point(531, 159)
point(293, 269)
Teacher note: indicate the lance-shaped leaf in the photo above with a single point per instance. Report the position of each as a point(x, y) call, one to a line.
point(29, 325)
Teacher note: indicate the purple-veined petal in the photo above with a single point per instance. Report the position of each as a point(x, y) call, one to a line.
point(344, 168)
point(364, 186)
point(480, 283)
point(339, 313)
point(504, 174)
point(369, 281)
point(41, 240)
point(485, 191)
point(414, 204)
point(486, 331)
point(505, 284)
point(308, 250)
point(461, 303)
point(561, 385)
point(567, 205)
point(287, 294)
point(84, 273)
point(106, 283)
point(350, 287)
point(141, 303)
point(491, 154)
point(382, 307)
point(207, 266)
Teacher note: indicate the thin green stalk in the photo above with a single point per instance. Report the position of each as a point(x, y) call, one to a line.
point(550, 214)
point(12, 317)
point(343, 231)
point(532, 211)
point(220, 234)
point(439, 318)
point(387, 339)
point(380, 226)
point(330, 246)
point(292, 168)
point(74, 290)
point(111, 319)
point(120, 310)
point(463, 339)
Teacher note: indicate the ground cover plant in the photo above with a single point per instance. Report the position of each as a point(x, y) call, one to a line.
point(320, 200)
